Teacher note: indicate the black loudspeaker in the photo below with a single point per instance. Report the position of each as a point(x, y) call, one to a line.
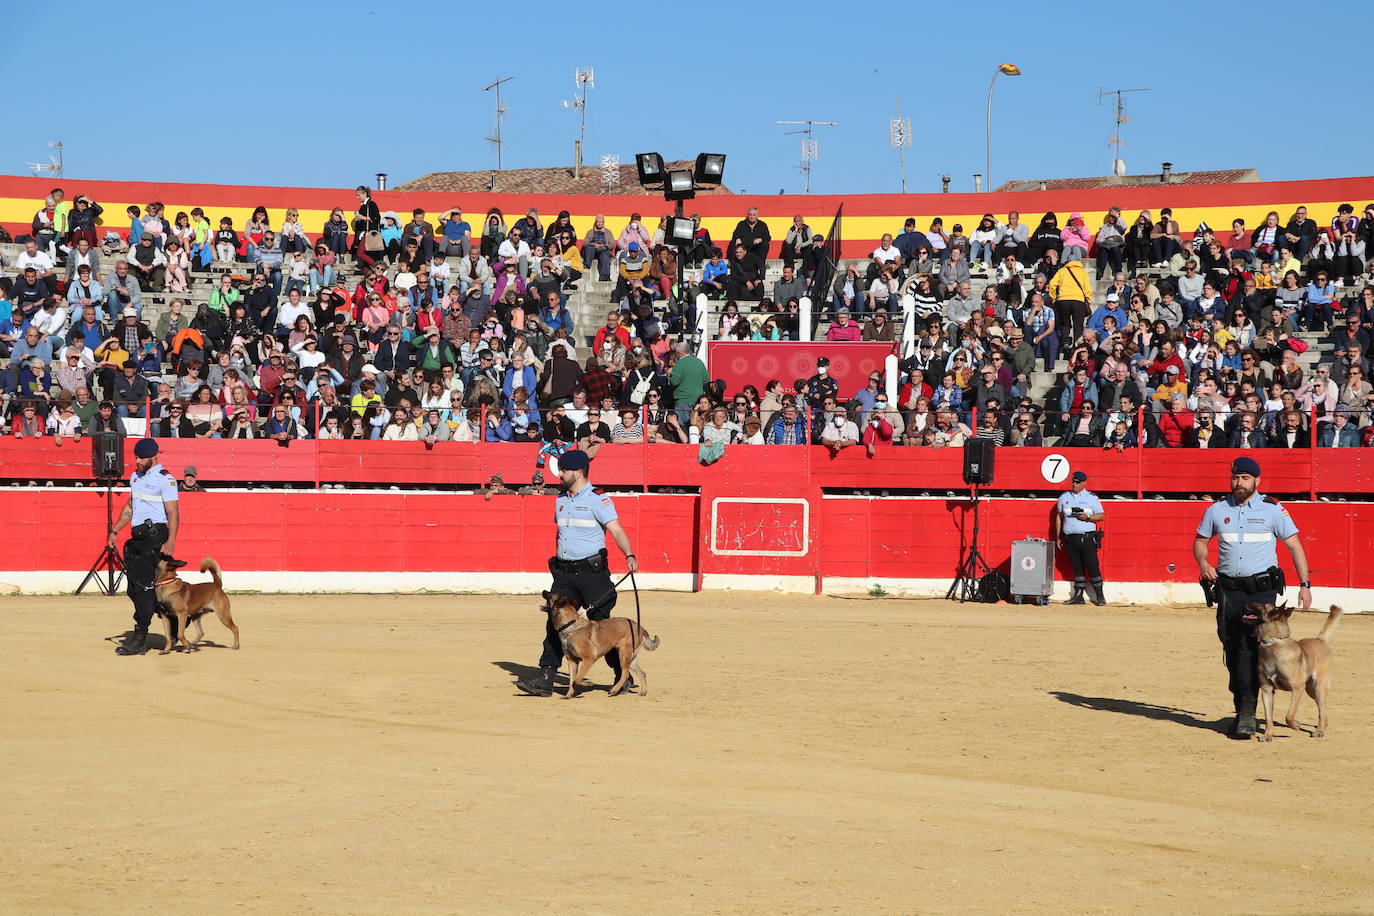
point(978, 460)
point(107, 456)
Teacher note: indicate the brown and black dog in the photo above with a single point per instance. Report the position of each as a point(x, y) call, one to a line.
point(584, 641)
point(188, 602)
point(1289, 664)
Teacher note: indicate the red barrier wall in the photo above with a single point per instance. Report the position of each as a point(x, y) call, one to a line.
point(854, 537)
point(1166, 471)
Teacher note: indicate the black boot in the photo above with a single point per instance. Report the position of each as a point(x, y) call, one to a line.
point(136, 643)
point(1099, 598)
point(541, 685)
point(1244, 727)
point(1077, 594)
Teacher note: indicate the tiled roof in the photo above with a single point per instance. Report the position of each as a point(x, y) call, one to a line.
point(543, 181)
point(1219, 176)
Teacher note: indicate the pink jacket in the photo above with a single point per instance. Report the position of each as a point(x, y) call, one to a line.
point(1076, 235)
point(851, 331)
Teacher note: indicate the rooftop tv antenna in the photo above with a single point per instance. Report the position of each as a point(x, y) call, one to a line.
point(495, 138)
point(585, 81)
point(810, 150)
point(899, 134)
point(54, 166)
point(1118, 164)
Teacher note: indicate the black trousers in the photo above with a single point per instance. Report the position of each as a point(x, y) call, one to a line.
point(1082, 551)
point(1238, 640)
point(141, 554)
point(584, 586)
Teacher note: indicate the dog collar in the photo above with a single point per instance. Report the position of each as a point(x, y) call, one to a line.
point(1271, 641)
point(568, 624)
point(161, 582)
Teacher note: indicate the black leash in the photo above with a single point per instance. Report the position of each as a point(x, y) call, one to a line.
point(616, 584)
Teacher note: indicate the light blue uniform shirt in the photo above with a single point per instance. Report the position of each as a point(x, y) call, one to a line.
point(1086, 501)
point(582, 519)
point(1247, 534)
point(149, 491)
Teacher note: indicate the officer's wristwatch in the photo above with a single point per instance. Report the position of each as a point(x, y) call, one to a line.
point(1306, 585)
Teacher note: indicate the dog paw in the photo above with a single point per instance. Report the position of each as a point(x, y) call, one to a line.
point(1263, 738)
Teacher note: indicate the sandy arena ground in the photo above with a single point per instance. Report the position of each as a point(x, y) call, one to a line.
point(370, 755)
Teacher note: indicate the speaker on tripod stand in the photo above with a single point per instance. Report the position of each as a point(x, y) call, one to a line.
point(971, 581)
point(107, 466)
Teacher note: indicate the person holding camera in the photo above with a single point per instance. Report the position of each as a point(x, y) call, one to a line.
point(1075, 528)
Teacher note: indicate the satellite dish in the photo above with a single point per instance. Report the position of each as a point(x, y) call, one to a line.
point(1118, 167)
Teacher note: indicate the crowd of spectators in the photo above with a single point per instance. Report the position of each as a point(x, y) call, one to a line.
point(451, 334)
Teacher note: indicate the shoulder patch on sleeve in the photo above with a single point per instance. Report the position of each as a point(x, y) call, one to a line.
point(1272, 501)
point(598, 491)
point(165, 471)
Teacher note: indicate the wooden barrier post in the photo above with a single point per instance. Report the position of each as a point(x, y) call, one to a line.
point(1140, 452)
point(1312, 456)
point(644, 445)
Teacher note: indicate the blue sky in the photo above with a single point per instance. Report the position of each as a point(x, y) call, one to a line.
point(363, 90)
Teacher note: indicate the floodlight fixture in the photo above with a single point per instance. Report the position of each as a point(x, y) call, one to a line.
point(650, 168)
point(681, 232)
point(710, 169)
point(677, 185)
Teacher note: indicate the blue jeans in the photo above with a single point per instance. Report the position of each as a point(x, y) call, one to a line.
point(115, 306)
point(318, 280)
point(982, 251)
point(1048, 350)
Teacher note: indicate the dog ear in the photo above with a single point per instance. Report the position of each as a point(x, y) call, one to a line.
point(1283, 611)
point(547, 595)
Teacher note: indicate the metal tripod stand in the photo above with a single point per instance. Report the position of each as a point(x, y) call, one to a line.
point(109, 564)
point(967, 582)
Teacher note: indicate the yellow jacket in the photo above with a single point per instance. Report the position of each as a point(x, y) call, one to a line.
point(1071, 283)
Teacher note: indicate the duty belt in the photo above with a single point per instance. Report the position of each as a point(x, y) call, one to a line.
point(147, 529)
point(594, 563)
point(1271, 580)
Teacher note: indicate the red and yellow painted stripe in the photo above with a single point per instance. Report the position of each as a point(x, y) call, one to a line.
point(866, 216)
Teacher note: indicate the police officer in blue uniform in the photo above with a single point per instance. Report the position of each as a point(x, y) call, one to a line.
point(1247, 527)
point(584, 515)
point(1076, 515)
point(154, 512)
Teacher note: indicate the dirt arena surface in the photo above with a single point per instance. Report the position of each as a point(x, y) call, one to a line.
point(369, 754)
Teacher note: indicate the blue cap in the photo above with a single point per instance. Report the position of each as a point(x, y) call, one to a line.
point(1245, 466)
point(146, 448)
point(634, 246)
point(574, 461)
point(1079, 477)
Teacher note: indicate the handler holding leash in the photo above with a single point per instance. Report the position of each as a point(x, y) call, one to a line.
point(1246, 525)
point(156, 515)
point(584, 516)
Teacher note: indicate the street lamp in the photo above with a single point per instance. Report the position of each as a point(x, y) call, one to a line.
point(1002, 69)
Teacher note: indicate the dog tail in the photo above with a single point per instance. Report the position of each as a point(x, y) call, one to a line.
point(649, 642)
point(1333, 620)
point(209, 565)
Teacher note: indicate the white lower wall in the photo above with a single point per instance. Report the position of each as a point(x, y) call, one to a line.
point(60, 582)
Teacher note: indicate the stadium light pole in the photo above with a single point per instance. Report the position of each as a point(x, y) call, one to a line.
point(1002, 69)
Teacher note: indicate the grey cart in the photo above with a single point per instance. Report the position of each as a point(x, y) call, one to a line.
point(1032, 570)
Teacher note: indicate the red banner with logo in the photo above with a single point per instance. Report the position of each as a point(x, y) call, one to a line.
point(744, 362)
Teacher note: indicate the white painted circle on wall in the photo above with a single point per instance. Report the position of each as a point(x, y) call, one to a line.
point(1055, 468)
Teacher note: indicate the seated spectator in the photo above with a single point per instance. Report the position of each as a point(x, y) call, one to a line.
point(843, 329)
point(838, 431)
point(877, 431)
point(628, 429)
point(1340, 433)
point(1176, 424)
point(719, 429)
